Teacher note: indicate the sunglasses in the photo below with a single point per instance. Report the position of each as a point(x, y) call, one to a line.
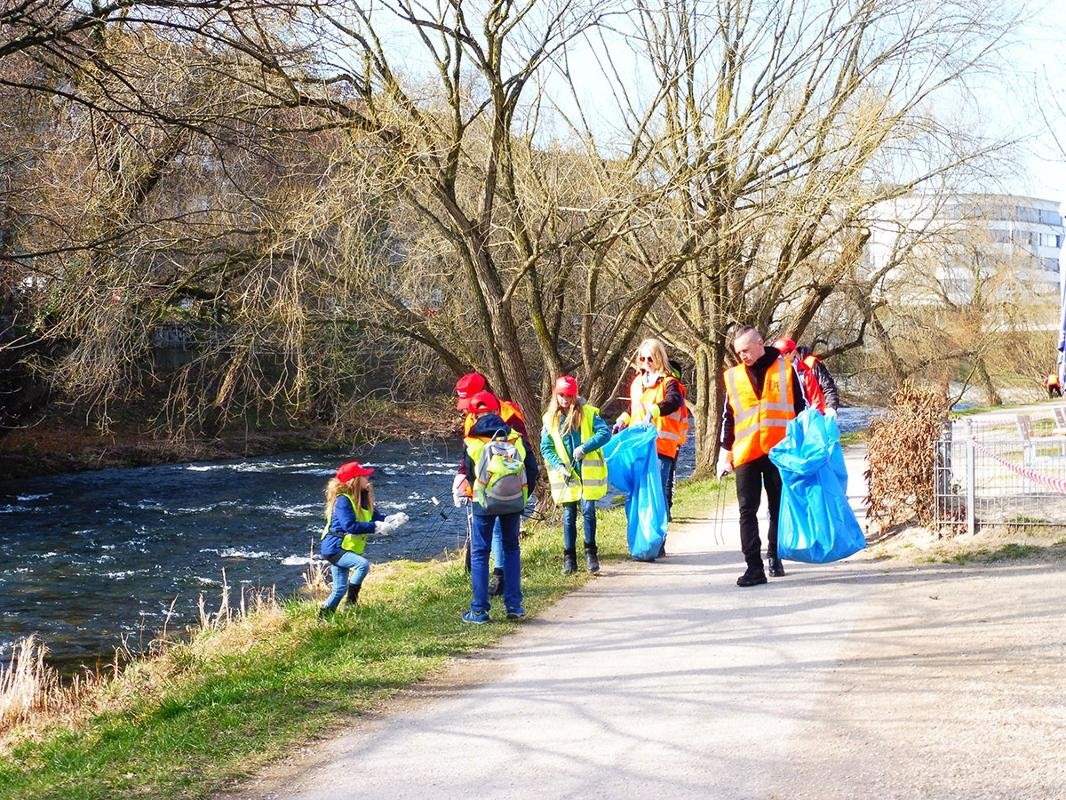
point(645, 358)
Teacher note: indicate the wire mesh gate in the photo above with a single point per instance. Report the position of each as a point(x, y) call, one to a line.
point(1009, 470)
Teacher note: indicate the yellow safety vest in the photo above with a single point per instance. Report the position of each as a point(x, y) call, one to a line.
point(759, 422)
point(355, 542)
point(474, 446)
point(565, 485)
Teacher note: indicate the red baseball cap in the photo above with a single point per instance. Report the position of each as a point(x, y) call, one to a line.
point(353, 469)
point(785, 345)
point(483, 401)
point(466, 387)
point(566, 385)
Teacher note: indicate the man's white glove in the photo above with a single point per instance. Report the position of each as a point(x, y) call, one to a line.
point(830, 412)
point(724, 464)
point(459, 485)
point(579, 452)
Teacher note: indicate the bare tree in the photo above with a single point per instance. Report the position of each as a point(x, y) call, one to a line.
point(779, 127)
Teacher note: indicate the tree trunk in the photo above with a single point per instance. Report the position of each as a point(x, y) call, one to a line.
point(707, 415)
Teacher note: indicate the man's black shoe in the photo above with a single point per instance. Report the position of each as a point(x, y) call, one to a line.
point(751, 578)
point(777, 569)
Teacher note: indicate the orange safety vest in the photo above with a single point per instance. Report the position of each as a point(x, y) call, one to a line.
point(812, 390)
point(508, 412)
point(759, 422)
point(673, 428)
point(1051, 380)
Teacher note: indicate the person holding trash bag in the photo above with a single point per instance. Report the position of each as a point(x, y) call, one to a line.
point(350, 517)
point(819, 387)
point(501, 469)
point(762, 394)
point(656, 396)
point(465, 388)
point(570, 443)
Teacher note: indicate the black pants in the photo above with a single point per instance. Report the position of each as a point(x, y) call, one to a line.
point(751, 477)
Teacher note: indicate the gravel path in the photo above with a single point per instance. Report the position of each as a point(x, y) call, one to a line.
point(850, 680)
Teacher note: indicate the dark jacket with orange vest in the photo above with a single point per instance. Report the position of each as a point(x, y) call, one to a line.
point(756, 376)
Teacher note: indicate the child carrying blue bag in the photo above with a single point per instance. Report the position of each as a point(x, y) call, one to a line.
point(816, 524)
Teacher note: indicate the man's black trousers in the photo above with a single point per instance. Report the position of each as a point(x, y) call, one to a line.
point(751, 477)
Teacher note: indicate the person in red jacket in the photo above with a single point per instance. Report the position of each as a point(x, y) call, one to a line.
point(819, 388)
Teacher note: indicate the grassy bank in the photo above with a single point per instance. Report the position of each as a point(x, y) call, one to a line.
point(205, 713)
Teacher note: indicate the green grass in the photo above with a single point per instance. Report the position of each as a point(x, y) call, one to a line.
point(230, 701)
point(1011, 551)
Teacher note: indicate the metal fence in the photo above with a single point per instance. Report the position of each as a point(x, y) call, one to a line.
point(1007, 470)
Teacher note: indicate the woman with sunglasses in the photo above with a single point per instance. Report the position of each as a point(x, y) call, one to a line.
point(657, 396)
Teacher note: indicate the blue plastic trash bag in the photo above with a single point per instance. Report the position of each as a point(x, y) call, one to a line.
point(633, 468)
point(816, 524)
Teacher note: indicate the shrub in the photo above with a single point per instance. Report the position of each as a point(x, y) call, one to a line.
point(901, 456)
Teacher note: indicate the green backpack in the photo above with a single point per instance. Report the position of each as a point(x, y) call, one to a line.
point(500, 475)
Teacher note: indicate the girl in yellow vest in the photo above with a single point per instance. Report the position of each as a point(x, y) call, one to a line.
point(570, 442)
point(350, 517)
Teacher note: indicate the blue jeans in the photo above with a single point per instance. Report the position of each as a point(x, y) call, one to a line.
point(497, 545)
point(667, 466)
point(480, 544)
point(348, 561)
point(588, 514)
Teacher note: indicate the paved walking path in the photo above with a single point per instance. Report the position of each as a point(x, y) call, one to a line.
point(859, 679)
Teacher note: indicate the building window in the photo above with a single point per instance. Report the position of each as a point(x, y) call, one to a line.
point(1049, 217)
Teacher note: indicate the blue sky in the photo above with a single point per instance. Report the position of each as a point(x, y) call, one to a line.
point(1038, 83)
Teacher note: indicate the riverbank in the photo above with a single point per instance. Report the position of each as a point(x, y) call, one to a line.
point(61, 444)
point(202, 714)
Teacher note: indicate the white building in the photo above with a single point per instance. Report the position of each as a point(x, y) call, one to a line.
point(1025, 232)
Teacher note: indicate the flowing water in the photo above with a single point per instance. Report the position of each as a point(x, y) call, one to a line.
point(91, 559)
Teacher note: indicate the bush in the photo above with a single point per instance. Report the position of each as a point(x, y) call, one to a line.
point(901, 456)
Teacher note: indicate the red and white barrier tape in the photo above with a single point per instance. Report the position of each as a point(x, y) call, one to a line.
point(1055, 484)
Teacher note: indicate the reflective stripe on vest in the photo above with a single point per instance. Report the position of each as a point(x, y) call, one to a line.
point(355, 542)
point(759, 423)
point(566, 486)
point(673, 428)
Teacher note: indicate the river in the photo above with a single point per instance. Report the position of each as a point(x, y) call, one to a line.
point(92, 559)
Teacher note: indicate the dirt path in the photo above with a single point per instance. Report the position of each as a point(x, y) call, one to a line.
point(849, 680)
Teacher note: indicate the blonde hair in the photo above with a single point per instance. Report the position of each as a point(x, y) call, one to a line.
point(352, 487)
point(573, 416)
point(657, 350)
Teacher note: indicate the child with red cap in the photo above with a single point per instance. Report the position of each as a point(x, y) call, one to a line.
point(570, 442)
point(350, 517)
point(499, 463)
point(466, 388)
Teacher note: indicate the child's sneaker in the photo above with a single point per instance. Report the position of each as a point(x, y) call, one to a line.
point(516, 613)
point(476, 617)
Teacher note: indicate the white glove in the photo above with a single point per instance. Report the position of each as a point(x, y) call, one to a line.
point(391, 523)
point(830, 412)
point(579, 452)
point(459, 490)
point(724, 467)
